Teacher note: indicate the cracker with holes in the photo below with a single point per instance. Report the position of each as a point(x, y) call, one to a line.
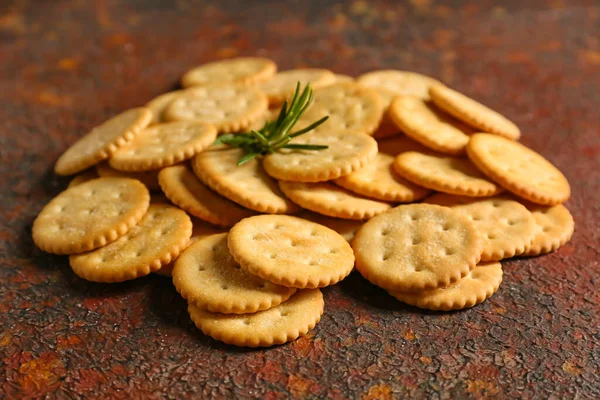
point(282, 85)
point(291, 251)
point(230, 108)
point(148, 178)
point(420, 120)
point(477, 286)
point(472, 112)
point(103, 141)
point(416, 247)
point(518, 169)
point(392, 83)
point(200, 230)
point(346, 153)
point(162, 145)
point(280, 324)
point(378, 180)
point(241, 70)
point(554, 227)
point(248, 185)
point(207, 276)
point(90, 215)
point(505, 226)
point(155, 241)
point(184, 189)
point(351, 108)
point(347, 228)
point(332, 200)
point(445, 174)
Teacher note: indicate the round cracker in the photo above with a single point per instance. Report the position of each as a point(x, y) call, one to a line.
point(477, 286)
point(282, 86)
point(155, 241)
point(283, 323)
point(148, 178)
point(444, 174)
point(518, 169)
point(325, 198)
point(241, 70)
point(102, 141)
point(247, 184)
point(473, 112)
point(416, 247)
point(391, 83)
point(230, 108)
point(351, 109)
point(346, 153)
point(90, 215)
point(505, 226)
point(420, 120)
point(162, 145)
point(158, 105)
point(554, 227)
point(184, 189)
point(290, 251)
point(206, 275)
point(386, 129)
point(341, 78)
point(378, 180)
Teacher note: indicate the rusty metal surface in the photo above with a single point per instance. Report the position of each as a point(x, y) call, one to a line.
point(67, 65)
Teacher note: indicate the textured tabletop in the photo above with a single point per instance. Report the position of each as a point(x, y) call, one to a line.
point(66, 66)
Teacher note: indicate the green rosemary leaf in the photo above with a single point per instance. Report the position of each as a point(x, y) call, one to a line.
point(305, 146)
point(309, 127)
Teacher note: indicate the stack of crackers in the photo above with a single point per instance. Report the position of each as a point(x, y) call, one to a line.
point(250, 246)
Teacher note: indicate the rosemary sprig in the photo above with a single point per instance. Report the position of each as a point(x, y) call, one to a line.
point(276, 134)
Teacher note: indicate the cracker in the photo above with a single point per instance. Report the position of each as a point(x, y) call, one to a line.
point(162, 145)
point(83, 177)
point(416, 247)
point(351, 109)
point(347, 228)
point(445, 174)
point(282, 86)
point(554, 227)
point(391, 83)
point(473, 112)
point(102, 141)
point(247, 184)
point(184, 189)
point(90, 215)
point(346, 153)
point(206, 275)
point(505, 226)
point(200, 230)
point(241, 70)
point(155, 241)
point(148, 178)
point(420, 120)
point(325, 198)
point(290, 251)
point(378, 180)
point(401, 144)
point(158, 105)
point(519, 169)
point(477, 286)
point(230, 108)
point(283, 323)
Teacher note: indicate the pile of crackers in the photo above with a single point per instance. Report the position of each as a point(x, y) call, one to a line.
point(421, 188)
